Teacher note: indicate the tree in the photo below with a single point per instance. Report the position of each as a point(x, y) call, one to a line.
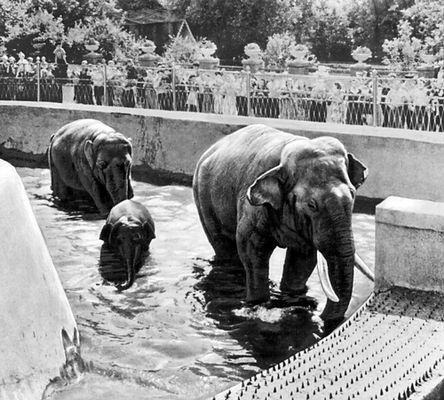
point(34, 27)
point(231, 24)
point(420, 33)
point(427, 23)
point(373, 21)
point(329, 33)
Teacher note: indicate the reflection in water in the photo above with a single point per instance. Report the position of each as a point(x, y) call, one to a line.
point(269, 332)
point(182, 331)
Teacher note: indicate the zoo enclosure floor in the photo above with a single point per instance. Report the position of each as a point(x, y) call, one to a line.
point(391, 348)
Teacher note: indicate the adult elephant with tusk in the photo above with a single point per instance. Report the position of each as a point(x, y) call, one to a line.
point(260, 188)
point(88, 157)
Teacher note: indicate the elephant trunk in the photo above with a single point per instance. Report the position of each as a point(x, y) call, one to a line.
point(339, 251)
point(118, 186)
point(340, 271)
point(131, 257)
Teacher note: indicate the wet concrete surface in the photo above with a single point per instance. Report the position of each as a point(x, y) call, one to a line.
point(182, 330)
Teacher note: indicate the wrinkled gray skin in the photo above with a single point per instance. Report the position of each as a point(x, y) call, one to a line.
point(87, 156)
point(128, 232)
point(259, 188)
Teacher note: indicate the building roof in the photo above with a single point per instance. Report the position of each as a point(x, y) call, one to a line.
point(150, 16)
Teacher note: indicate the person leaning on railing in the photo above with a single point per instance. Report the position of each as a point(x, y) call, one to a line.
point(129, 91)
point(8, 78)
point(83, 92)
point(5, 69)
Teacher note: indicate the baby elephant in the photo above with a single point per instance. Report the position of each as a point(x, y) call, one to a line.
point(127, 233)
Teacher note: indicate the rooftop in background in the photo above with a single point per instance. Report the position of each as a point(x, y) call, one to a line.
point(151, 16)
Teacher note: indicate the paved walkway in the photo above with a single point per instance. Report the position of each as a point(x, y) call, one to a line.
point(392, 348)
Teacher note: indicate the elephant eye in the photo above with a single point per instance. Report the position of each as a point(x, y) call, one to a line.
point(353, 192)
point(312, 205)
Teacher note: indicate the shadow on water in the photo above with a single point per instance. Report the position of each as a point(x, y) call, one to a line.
point(82, 208)
point(270, 332)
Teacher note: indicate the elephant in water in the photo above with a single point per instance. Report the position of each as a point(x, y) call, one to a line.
point(88, 157)
point(128, 232)
point(260, 188)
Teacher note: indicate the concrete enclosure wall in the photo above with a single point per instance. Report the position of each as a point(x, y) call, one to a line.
point(409, 244)
point(33, 306)
point(168, 144)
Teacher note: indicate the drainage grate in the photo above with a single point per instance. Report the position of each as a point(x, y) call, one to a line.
point(389, 349)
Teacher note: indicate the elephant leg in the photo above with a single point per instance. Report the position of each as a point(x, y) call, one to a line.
point(254, 252)
point(99, 195)
point(225, 248)
point(58, 186)
point(297, 269)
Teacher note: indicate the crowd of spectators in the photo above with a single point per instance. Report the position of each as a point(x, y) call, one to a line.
point(413, 103)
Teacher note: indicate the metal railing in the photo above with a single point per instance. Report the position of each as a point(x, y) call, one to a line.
point(377, 100)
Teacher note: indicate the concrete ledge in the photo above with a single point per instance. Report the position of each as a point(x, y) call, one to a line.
point(168, 144)
point(410, 244)
point(412, 213)
point(33, 305)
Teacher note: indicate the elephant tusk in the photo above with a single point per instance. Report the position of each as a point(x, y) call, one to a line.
point(322, 268)
point(362, 266)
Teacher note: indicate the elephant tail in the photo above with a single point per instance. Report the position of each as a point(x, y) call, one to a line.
point(49, 151)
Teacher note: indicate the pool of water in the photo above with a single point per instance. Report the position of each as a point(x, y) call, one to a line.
point(182, 330)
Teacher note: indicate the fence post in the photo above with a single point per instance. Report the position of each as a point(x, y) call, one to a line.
point(38, 78)
point(173, 85)
point(248, 92)
point(375, 98)
point(105, 89)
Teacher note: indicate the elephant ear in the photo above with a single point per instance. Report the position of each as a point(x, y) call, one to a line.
point(105, 233)
point(267, 189)
point(89, 153)
point(357, 171)
point(148, 227)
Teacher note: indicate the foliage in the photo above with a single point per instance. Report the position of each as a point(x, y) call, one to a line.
point(329, 38)
point(114, 41)
point(138, 4)
point(370, 22)
point(36, 25)
point(403, 52)
point(331, 29)
point(182, 50)
point(278, 49)
point(231, 24)
point(24, 30)
point(420, 35)
point(427, 22)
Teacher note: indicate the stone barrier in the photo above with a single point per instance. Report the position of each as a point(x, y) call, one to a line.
point(33, 306)
point(168, 144)
point(410, 244)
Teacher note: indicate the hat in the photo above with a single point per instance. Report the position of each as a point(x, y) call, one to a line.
point(84, 62)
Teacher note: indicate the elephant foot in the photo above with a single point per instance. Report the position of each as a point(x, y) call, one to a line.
point(257, 298)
